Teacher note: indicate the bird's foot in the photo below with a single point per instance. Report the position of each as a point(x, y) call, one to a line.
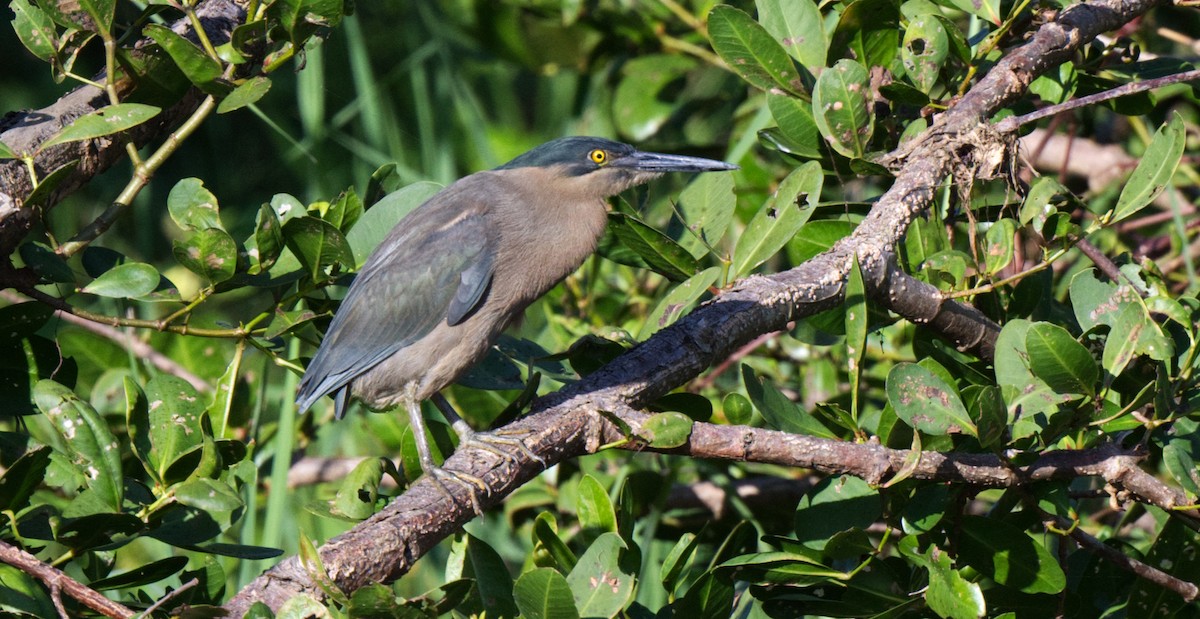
point(496, 442)
point(474, 485)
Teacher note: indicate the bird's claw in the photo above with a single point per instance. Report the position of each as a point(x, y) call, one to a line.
point(474, 485)
point(492, 441)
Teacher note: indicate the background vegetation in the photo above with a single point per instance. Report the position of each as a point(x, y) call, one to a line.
point(151, 439)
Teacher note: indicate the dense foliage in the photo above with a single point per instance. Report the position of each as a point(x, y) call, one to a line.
point(149, 429)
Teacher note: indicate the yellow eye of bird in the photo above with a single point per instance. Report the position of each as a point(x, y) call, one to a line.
point(598, 156)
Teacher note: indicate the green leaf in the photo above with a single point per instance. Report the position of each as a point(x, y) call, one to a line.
point(989, 414)
point(1022, 390)
point(668, 430)
point(779, 568)
point(986, 9)
point(1007, 555)
point(247, 93)
point(37, 33)
point(602, 582)
point(1059, 360)
point(779, 219)
point(924, 50)
point(737, 409)
point(104, 121)
point(344, 211)
point(318, 244)
point(141, 575)
point(210, 253)
point(197, 66)
point(544, 594)
point(359, 490)
point(640, 107)
point(1154, 171)
point(172, 423)
point(125, 281)
point(23, 477)
point(678, 301)
point(948, 593)
point(842, 108)
point(193, 207)
point(21, 594)
point(595, 508)
point(89, 444)
point(778, 411)
point(836, 504)
point(869, 32)
point(709, 597)
point(677, 561)
point(798, 26)
point(667, 257)
point(706, 207)
point(998, 252)
point(794, 117)
point(751, 52)
point(46, 263)
point(7, 153)
point(209, 495)
point(287, 322)
point(545, 534)
point(925, 402)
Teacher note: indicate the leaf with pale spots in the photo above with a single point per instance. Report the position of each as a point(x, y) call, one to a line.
point(210, 253)
point(104, 121)
point(751, 51)
point(797, 25)
point(926, 403)
point(193, 207)
point(602, 581)
point(173, 411)
point(841, 108)
point(91, 447)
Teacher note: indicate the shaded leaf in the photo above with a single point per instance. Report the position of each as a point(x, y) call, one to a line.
point(1061, 361)
point(544, 594)
point(89, 443)
point(247, 93)
point(197, 66)
point(209, 253)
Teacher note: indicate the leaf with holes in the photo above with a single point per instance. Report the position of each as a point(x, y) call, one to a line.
point(779, 219)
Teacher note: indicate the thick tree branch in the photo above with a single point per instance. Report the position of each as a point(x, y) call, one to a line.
point(566, 424)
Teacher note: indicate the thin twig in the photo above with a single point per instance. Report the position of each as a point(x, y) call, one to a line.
point(1012, 122)
point(127, 341)
point(166, 598)
point(1185, 589)
point(55, 579)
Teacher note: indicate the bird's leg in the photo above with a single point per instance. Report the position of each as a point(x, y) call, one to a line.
point(488, 441)
point(425, 455)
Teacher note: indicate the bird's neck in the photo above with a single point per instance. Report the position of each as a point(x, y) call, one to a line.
point(561, 228)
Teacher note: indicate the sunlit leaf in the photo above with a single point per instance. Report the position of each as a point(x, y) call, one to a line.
point(104, 121)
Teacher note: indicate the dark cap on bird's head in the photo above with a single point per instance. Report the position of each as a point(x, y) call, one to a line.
point(583, 155)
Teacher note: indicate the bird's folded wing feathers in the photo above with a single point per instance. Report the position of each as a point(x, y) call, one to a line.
point(428, 270)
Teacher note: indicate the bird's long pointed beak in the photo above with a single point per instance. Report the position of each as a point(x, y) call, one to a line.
point(659, 162)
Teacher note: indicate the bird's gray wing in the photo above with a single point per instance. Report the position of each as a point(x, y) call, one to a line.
point(435, 265)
